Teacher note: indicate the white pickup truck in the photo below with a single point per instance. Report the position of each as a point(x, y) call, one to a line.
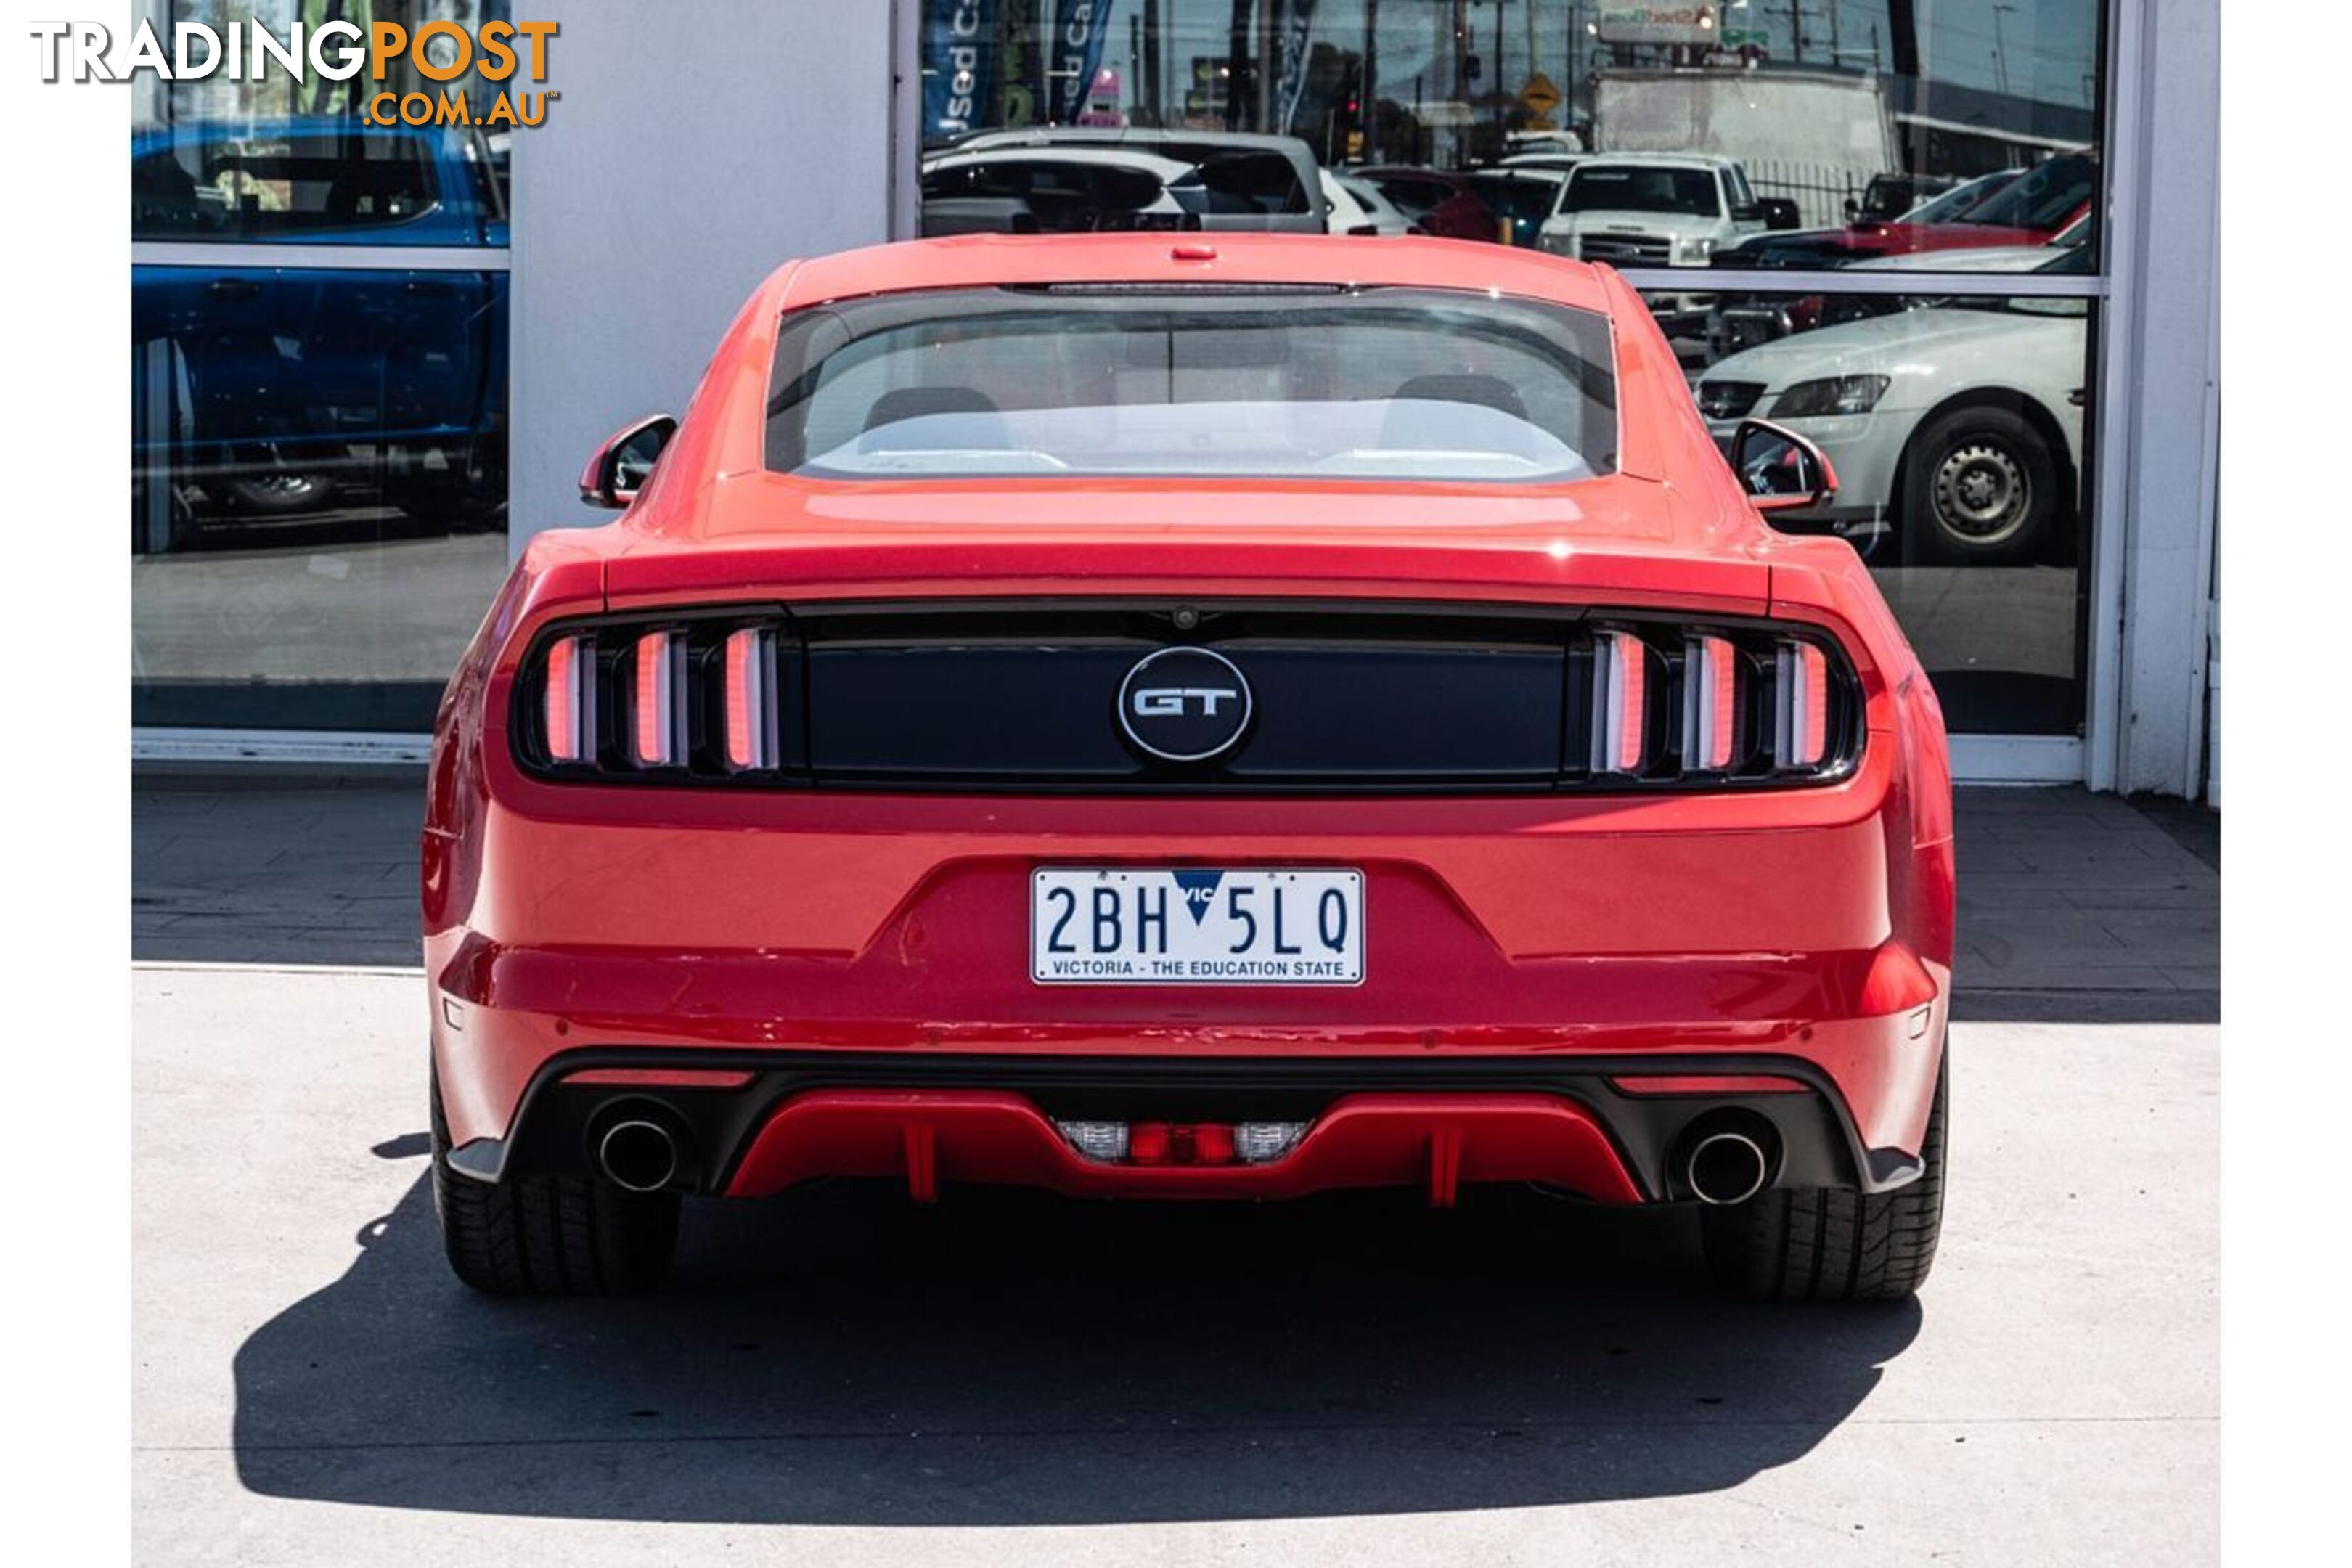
point(1654, 210)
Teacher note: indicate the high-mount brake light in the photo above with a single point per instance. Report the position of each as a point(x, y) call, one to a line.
point(658, 723)
point(1800, 707)
point(570, 711)
point(1710, 703)
point(1621, 670)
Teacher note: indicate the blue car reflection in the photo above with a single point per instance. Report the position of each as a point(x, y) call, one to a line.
point(268, 388)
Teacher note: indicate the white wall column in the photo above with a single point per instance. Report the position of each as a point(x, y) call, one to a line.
point(2166, 320)
point(696, 145)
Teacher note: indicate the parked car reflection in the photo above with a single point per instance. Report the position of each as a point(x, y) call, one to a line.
point(1956, 428)
point(267, 393)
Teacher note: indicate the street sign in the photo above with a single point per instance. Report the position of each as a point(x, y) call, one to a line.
point(1539, 95)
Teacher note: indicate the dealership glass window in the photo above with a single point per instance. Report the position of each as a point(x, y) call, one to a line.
point(1958, 426)
point(318, 391)
point(1751, 142)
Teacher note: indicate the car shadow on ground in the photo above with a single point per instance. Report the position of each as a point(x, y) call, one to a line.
point(838, 1356)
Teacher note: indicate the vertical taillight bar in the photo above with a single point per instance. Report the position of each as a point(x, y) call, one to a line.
point(1620, 702)
point(657, 712)
point(1710, 703)
point(751, 698)
point(570, 711)
point(1800, 716)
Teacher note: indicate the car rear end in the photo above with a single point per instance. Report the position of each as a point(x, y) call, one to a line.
point(1132, 835)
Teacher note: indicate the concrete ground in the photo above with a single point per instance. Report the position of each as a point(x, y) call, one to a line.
point(836, 1376)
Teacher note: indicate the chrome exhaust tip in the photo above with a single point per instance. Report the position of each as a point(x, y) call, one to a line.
point(636, 1154)
point(1726, 1168)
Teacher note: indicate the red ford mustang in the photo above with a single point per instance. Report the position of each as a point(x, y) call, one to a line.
point(1160, 720)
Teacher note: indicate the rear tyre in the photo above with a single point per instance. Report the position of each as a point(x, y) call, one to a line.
point(548, 1236)
point(1826, 1245)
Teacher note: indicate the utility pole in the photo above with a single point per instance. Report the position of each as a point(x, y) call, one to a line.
point(1796, 32)
point(1237, 48)
point(1151, 86)
point(1575, 50)
point(1494, 68)
point(1370, 96)
point(1461, 81)
point(1999, 50)
point(1903, 36)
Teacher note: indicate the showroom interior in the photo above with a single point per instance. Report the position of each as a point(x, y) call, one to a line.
point(368, 360)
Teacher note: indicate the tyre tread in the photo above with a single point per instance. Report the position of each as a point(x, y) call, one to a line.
point(1832, 1244)
point(548, 1236)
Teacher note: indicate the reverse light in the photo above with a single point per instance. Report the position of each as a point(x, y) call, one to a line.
point(1800, 706)
point(1263, 1143)
point(1104, 1141)
point(657, 710)
point(750, 716)
point(1710, 703)
point(570, 715)
point(1620, 702)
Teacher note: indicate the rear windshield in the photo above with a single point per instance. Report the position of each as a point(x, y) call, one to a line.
point(2044, 197)
point(1634, 188)
point(1513, 195)
point(1086, 380)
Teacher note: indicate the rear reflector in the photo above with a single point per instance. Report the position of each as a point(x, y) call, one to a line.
point(1800, 707)
point(1620, 702)
point(750, 716)
point(1706, 1083)
point(569, 719)
point(658, 724)
point(661, 1077)
point(1710, 703)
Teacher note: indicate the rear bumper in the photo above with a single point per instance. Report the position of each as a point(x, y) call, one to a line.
point(749, 1124)
point(854, 944)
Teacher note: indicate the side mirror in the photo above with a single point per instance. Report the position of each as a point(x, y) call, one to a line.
point(1780, 469)
point(1780, 212)
point(624, 460)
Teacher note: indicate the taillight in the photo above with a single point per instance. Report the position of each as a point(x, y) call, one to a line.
point(1667, 703)
point(749, 714)
point(568, 711)
point(1801, 709)
point(1620, 691)
point(699, 693)
point(658, 701)
point(1710, 703)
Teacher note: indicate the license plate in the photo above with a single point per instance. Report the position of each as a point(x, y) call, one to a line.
point(1191, 926)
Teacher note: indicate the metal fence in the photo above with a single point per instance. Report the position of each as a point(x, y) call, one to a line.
point(1820, 190)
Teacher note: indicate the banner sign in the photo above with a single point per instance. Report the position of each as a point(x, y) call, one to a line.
point(1292, 82)
point(1075, 56)
point(1669, 22)
point(959, 66)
